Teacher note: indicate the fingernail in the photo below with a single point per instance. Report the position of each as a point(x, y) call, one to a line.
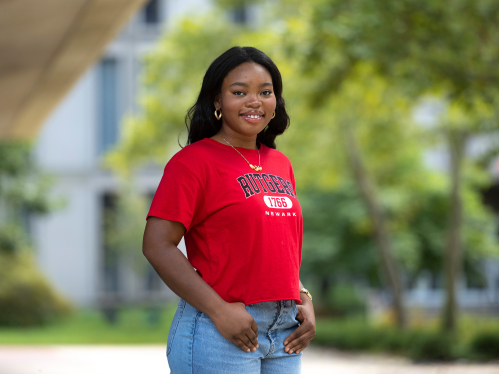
point(286, 349)
point(258, 345)
point(247, 350)
point(254, 349)
point(290, 352)
point(286, 342)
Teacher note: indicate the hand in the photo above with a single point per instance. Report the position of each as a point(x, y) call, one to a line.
point(238, 326)
point(303, 335)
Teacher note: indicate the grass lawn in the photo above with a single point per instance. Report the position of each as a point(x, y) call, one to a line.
point(134, 326)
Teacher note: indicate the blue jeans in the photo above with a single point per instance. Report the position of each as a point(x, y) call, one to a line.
point(196, 347)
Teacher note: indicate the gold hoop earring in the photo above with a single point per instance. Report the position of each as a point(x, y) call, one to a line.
point(273, 115)
point(216, 114)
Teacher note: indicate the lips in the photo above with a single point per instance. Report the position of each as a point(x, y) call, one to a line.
point(252, 116)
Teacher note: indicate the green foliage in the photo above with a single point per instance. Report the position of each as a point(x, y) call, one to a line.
point(171, 83)
point(485, 345)
point(355, 333)
point(434, 45)
point(22, 187)
point(346, 299)
point(14, 158)
point(124, 228)
point(336, 236)
point(347, 334)
point(338, 245)
point(23, 190)
point(26, 298)
point(12, 238)
point(432, 346)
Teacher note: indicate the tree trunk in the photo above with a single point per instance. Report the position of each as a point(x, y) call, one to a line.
point(453, 256)
point(367, 190)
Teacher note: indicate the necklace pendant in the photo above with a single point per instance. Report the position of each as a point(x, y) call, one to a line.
point(255, 168)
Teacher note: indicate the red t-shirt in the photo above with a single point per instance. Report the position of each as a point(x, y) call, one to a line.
point(244, 228)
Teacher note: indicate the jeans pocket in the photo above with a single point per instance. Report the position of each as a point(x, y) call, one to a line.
point(174, 325)
point(295, 312)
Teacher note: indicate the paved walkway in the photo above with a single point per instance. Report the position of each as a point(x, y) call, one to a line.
point(151, 360)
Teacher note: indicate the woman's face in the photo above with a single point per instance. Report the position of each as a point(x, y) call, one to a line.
point(247, 100)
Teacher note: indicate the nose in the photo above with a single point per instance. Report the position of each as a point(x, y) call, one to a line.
point(253, 101)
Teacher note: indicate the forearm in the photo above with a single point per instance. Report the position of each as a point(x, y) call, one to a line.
point(179, 275)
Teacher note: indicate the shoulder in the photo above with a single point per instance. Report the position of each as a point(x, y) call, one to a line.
point(193, 154)
point(277, 155)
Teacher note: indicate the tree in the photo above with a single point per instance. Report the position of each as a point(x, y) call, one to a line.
point(447, 49)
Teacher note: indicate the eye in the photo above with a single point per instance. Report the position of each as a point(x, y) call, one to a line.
point(238, 93)
point(267, 93)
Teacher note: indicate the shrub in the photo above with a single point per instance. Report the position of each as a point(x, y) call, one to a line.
point(344, 299)
point(348, 334)
point(485, 345)
point(431, 346)
point(26, 298)
point(391, 339)
point(358, 334)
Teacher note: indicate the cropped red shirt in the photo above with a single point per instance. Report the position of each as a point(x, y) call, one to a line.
point(244, 229)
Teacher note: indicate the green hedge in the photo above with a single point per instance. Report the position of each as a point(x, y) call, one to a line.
point(420, 344)
point(26, 298)
point(485, 345)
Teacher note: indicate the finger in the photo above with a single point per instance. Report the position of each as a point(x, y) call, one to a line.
point(254, 337)
point(293, 345)
point(241, 344)
point(302, 334)
point(294, 335)
point(302, 348)
point(301, 344)
point(248, 338)
point(249, 342)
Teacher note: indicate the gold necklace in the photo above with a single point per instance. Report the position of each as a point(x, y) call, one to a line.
point(255, 168)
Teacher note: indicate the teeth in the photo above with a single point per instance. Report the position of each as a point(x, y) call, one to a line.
point(253, 116)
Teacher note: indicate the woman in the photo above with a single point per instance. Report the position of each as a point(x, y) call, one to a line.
point(231, 194)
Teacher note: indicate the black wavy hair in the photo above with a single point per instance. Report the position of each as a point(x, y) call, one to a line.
point(200, 119)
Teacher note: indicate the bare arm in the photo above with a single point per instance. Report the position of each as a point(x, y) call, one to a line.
point(303, 335)
point(161, 238)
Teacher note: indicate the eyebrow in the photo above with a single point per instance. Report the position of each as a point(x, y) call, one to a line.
point(246, 85)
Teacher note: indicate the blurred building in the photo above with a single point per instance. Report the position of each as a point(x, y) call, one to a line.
point(71, 243)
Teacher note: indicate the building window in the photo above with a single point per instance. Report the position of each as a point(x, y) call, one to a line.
point(108, 121)
point(240, 14)
point(151, 12)
point(110, 257)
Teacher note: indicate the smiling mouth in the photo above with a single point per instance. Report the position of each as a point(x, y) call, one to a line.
point(252, 117)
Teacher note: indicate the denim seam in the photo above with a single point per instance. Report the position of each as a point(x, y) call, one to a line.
point(272, 330)
point(169, 347)
point(195, 322)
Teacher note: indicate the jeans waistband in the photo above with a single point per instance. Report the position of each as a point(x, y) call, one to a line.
point(276, 303)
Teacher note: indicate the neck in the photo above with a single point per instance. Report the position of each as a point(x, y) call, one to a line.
point(235, 140)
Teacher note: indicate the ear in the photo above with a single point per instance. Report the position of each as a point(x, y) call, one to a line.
point(217, 103)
